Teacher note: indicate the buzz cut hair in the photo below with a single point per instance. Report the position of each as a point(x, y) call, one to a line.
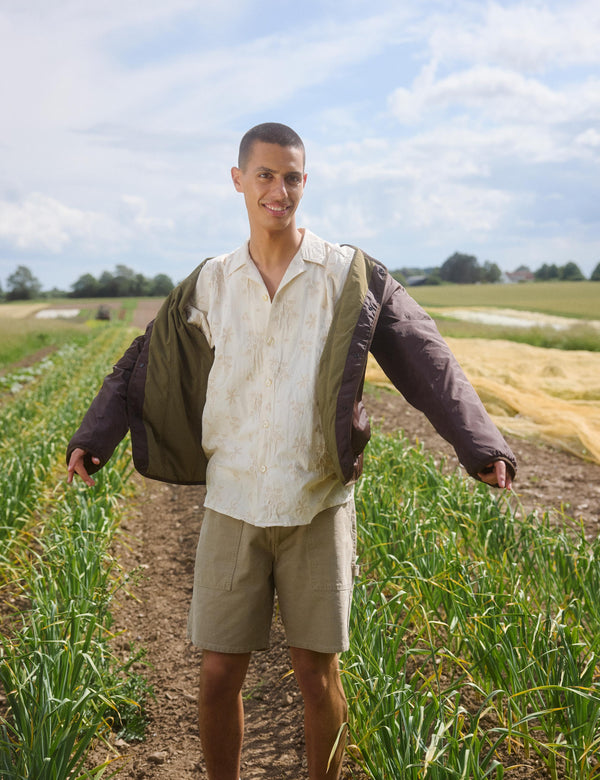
point(269, 133)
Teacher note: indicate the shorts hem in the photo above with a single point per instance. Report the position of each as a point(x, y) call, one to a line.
point(217, 648)
point(316, 648)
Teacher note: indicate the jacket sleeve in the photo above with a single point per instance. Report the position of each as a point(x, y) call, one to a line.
point(414, 356)
point(105, 423)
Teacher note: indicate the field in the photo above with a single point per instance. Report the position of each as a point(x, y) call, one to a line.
point(475, 648)
point(580, 300)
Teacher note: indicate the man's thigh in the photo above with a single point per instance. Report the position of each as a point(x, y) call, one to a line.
point(314, 577)
point(232, 602)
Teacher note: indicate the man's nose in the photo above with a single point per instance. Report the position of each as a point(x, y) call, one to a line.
point(279, 188)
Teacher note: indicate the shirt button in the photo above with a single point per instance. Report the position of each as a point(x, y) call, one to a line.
point(266, 297)
point(265, 424)
point(263, 469)
point(270, 341)
point(269, 382)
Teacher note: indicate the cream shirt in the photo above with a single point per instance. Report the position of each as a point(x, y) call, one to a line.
point(268, 464)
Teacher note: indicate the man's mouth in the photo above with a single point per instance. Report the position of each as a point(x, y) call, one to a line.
point(276, 210)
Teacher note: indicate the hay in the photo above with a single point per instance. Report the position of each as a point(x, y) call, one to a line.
point(545, 394)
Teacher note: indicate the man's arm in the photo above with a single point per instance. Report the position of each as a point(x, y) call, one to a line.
point(105, 423)
point(414, 356)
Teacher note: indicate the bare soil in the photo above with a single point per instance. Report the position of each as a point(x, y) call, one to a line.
point(159, 538)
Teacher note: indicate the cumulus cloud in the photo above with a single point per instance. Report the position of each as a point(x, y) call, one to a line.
point(41, 223)
point(522, 36)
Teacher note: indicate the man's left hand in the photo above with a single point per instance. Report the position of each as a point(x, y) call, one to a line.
point(496, 473)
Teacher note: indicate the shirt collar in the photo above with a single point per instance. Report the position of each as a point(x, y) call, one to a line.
point(311, 250)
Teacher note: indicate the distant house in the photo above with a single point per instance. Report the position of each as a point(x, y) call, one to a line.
point(416, 281)
point(520, 275)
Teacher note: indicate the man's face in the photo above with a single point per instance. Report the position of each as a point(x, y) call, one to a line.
point(272, 183)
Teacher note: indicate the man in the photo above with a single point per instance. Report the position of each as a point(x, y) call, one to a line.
point(250, 379)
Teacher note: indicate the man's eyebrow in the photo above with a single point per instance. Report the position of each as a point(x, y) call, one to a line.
point(265, 169)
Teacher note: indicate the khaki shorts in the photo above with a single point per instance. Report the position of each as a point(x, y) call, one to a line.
point(239, 567)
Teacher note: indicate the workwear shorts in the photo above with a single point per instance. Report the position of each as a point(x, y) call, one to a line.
point(239, 568)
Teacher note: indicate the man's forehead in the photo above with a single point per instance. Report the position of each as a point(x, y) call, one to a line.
point(274, 158)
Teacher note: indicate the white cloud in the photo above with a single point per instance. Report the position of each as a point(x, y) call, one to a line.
point(42, 223)
point(590, 137)
point(524, 36)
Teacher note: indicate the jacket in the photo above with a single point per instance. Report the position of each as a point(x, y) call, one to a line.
point(157, 389)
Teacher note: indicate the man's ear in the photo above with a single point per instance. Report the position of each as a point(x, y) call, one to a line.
point(236, 176)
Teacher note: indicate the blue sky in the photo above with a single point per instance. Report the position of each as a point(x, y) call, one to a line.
point(431, 127)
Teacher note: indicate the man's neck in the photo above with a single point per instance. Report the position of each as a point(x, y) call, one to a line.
point(272, 254)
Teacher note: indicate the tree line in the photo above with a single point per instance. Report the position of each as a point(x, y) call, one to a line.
point(461, 268)
point(22, 285)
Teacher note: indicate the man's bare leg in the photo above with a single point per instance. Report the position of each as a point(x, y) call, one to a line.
point(221, 712)
point(325, 710)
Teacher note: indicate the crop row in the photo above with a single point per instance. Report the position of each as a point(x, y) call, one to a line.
point(476, 630)
point(62, 687)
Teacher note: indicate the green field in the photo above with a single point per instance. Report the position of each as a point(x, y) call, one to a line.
point(22, 334)
point(580, 300)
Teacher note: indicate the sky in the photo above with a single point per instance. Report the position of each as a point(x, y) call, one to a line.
point(430, 126)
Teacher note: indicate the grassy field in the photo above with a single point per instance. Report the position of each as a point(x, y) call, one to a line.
point(580, 300)
point(22, 334)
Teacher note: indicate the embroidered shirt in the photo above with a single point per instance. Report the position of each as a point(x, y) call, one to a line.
point(268, 464)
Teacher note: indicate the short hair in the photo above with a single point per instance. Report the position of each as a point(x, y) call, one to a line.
point(269, 133)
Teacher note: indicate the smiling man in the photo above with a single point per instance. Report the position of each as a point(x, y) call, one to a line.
point(250, 380)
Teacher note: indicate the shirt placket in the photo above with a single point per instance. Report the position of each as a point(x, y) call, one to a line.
point(268, 386)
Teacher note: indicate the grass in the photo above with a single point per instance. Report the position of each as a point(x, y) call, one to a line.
point(63, 687)
point(580, 300)
point(577, 337)
point(24, 337)
point(476, 630)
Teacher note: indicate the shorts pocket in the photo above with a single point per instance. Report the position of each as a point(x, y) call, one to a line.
point(217, 552)
point(332, 548)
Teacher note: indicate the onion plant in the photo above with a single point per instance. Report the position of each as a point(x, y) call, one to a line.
point(63, 687)
point(475, 628)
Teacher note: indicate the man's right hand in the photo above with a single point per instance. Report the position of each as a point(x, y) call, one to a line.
point(77, 466)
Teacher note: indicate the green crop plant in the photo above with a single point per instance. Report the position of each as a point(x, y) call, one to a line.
point(64, 688)
point(476, 629)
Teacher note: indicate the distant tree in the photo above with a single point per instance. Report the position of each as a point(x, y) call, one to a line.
point(571, 273)
point(434, 277)
point(22, 285)
point(547, 272)
point(461, 269)
point(124, 281)
point(140, 285)
point(399, 276)
point(86, 286)
point(56, 293)
point(161, 285)
point(595, 277)
point(107, 286)
point(490, 273)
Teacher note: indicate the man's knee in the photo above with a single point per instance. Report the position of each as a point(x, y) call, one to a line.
point(317, 675)
point(222, 675)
